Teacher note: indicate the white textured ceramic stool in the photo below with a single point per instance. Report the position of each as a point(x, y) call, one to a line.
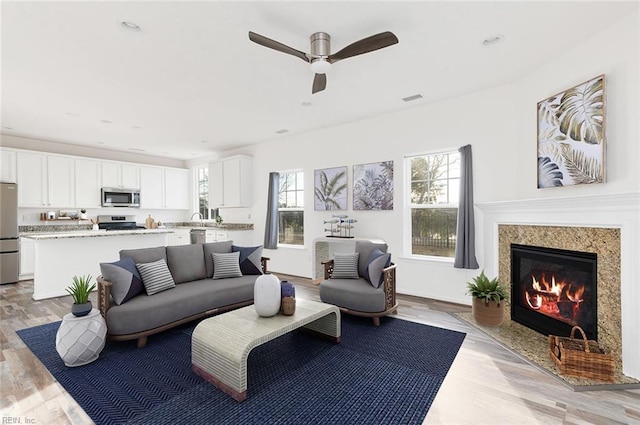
point(81, 339)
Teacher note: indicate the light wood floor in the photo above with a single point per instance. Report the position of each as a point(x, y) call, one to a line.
point(486, 384)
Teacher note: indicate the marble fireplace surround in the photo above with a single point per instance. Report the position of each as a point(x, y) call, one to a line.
point(608, 225)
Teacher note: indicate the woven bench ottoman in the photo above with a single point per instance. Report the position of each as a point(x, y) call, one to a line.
point(221, 344)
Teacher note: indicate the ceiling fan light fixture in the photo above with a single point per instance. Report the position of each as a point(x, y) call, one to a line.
point(320, 66)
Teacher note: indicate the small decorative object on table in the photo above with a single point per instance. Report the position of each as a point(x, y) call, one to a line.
point(80, 291)
point(83, 214)
point(488, 300)
point(288, 302)
point(266, 295)
point(581, 358)
point(340, 226)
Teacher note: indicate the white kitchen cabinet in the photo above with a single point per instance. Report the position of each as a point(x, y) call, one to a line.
point(151, 188)
point(27, 258)
point(45, 180)
point(166, 188)
point(179, 237)
point(87, 183)
point(176, 188)
point(61, 181)
point(32, 179)
point(230, 182)
point(122, 175)
point(216, 186)
point(8, 172)
point(214, 235)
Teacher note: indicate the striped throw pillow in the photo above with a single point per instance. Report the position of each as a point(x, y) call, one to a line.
point(226, 265)
point(156, 276)
point(345, 266)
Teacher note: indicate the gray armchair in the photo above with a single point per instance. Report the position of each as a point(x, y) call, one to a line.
point(357, 295)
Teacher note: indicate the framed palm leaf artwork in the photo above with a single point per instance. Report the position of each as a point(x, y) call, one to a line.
point(373, 186)
point(330, 189)
point(571, 136)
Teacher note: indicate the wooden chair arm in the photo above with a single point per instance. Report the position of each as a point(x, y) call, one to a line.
point(389, 285)
point(104, 296)
point(264, 260)
point(328, 269)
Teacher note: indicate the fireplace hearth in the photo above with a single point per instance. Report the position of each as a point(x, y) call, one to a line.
point(554, 290)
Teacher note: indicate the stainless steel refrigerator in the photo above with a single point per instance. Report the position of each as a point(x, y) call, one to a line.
point(9, 244)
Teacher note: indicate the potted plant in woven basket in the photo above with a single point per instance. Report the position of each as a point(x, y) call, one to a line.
point(489, 297)
point(80, 291)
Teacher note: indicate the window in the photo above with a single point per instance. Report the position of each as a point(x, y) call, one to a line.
point(202, 187)
point(291, 208)
point(433, 197)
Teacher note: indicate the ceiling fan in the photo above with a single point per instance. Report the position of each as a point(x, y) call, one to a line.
point(321, 58)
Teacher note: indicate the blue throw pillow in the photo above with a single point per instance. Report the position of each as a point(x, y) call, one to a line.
point(377, 261)
point(125, 279)
point(250, 259)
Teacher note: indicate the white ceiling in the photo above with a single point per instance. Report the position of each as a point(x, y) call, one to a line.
point(190, 83)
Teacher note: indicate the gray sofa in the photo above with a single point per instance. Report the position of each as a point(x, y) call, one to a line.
point(357, 295)
point(195, 295)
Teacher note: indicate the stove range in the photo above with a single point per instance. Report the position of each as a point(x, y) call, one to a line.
point(118, 222)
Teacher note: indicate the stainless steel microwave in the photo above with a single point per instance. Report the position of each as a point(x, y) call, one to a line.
point(118, 197)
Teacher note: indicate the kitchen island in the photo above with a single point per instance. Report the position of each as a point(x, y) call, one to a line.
point(60, 256)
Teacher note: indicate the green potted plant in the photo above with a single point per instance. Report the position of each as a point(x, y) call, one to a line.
point(80, 291)
point(488, 300)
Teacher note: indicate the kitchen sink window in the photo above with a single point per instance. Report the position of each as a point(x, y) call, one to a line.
point(202, 195)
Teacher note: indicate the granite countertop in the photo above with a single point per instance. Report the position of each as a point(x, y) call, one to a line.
point(209, 225)
point(92, 234)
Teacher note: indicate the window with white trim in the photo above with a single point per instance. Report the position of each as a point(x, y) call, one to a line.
point(202, 190)
point(291, 208)
point(434, 190)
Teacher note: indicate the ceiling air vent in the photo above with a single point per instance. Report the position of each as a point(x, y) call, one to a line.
point(414, 97)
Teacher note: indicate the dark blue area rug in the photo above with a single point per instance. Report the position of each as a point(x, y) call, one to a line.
point(376, 375)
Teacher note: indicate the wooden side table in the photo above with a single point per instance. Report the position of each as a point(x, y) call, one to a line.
point(81, 339)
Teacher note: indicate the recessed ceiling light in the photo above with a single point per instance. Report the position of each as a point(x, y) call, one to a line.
point(136, 127)
point(413, 97)
point(284, 130)
point(106, 122)
point(72, 114)
point(131, 26)
point(100, 143)
point(492, 40)
point(306, 103)
point(204, 141)
point(137, 149)
point(7, 127)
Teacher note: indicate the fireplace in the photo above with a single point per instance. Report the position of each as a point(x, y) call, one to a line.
point(554, 290)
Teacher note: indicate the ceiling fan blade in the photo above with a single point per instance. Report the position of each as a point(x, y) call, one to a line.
point(366, 45)
point(319, 83)
point(272, 44)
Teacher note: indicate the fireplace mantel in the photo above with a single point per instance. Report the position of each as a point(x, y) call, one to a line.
point(610, 211)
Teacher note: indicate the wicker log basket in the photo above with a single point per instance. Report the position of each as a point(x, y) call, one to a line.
point(580, 358)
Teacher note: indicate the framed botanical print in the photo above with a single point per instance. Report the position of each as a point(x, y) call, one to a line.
point(571, 136)
point(330, 189)
point(373, 186)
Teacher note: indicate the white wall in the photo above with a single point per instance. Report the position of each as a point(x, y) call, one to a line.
point(499, 123)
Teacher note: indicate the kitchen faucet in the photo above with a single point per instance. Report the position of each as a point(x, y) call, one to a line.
point(201, 217)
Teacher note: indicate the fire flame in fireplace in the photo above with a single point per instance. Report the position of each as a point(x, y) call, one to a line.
point(560, 300)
